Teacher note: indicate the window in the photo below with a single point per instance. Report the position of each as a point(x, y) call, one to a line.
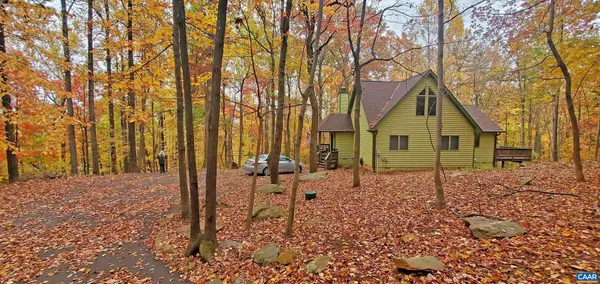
point(477, 140)
point(398, 142)
point(421, 103)
point(449, 142)
point(431, 102)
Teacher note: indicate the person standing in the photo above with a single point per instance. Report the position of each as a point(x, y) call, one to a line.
point(162, 161)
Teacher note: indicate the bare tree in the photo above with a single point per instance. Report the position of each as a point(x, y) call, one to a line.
point(439, 189)
point(569, 99)
point(278, 137)
point(308, 92)
point(111, 105)
point(91, 107)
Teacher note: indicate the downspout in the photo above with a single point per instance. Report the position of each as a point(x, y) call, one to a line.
point(374, 152)
point(473, 158)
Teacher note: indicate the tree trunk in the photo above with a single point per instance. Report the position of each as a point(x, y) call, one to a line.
point(9, 127)
point(67, 73)
point(439, 189)
point(597, 143)
point(133, 164)
point(183, 184)
point(288, 136)
point(278, 137)
point(111, 105)
point(92, 108)
point(310, 88)
point(563, 67)
point(195, 232)
point(142, 148)
point(357, 91)
point(210, 221)
point(241, 142)
point(555, 127)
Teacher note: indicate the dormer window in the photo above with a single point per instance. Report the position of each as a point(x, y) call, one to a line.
point(421, 103)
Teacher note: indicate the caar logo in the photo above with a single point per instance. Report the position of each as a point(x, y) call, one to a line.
point(587, 276)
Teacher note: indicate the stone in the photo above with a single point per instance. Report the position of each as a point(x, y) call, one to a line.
point(219, 225)
point(184, 230)
point(260, 207)
point(525, 180)
point(207, 250)
point(230, 244)
point(265, 211)
point(160, 245)
point(419, 263)
point(221, 204)
point(318, 264)
point(457, 174)
point(266, 254)
point(314, 176)
point(484, 228)
point(271, 189)
point(215, 281)
point(287, 257)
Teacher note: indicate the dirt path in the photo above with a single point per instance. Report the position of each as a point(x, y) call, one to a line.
point(84, 229)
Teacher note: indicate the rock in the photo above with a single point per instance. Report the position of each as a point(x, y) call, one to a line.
point(266, 254)
point(287, 257)
point(271, 189)
point(265, 211)
point(457, 174)
point(160, 245)
point(239, 280)
point(207, 250)
point(318, 264)
point(314, 176)
point(260, 207)
point(230, 244)
point(419, 263)
point(525, 180)
point(221, 204)
point(215, 281)
point(484, 228)
point(184, 230)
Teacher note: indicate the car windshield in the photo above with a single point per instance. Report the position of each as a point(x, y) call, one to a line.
point(263, 156)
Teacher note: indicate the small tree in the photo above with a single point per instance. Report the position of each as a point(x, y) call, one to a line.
point(439, 189)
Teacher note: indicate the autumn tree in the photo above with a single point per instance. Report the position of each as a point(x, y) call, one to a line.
point(9, 128)
point(571, 109)
point(67, 79)
point(439, 190)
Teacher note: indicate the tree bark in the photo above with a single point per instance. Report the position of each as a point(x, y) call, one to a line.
point(133, 164)
point(111, 105)
point(67, 74)
point(92, 108)
point(305, 96)
point(555, 127)
point(241, 142)
point(183, 183)
point(195, 231)
point(278, 137)
point(563, 68)
point(439, 189)
point(142, 148)
point(597, 143)
point(9, 127)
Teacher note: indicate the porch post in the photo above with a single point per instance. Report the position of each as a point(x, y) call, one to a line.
point(495, 147)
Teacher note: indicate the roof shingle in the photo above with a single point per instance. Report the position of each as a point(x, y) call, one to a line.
point(483, 121)
point(337, 122)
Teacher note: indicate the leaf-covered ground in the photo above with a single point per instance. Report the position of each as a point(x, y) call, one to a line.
point(75, 228)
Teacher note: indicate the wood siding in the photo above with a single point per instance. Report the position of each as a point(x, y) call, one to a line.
point(344, 142)
point(484, 155)
point(402, 120)
point(342, 102)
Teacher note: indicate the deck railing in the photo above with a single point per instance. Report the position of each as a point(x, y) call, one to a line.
point(513, 154)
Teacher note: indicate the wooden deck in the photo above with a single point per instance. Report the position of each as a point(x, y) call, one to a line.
point(513, 154)
point(326, 157)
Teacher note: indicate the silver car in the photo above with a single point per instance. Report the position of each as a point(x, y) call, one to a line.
point(286, 165)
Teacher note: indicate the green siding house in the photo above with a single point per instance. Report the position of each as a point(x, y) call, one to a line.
point(397, 127)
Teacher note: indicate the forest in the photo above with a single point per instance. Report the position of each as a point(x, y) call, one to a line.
point(100, 97)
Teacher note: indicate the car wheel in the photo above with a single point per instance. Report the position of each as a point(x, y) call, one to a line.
point(266, 171)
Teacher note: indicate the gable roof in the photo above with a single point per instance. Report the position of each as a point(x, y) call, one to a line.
point(482, 120)
point(337, 122)
point(380, 97)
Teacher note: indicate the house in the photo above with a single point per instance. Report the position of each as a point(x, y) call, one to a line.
point(397, 127)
